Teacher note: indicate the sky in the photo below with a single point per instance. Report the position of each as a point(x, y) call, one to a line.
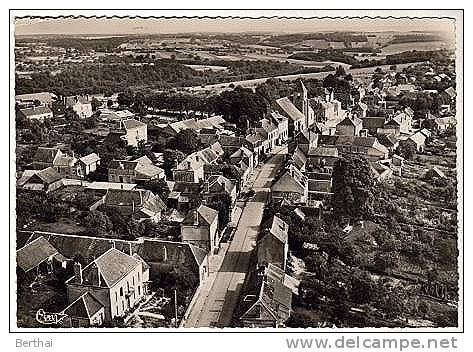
point(115, 26)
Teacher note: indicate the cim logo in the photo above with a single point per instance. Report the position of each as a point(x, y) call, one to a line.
point(49, 318)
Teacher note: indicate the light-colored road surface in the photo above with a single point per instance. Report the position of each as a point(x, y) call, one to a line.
point(215, 304)
point(252, 83)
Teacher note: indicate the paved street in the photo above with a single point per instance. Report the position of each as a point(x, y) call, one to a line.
point(218, 298)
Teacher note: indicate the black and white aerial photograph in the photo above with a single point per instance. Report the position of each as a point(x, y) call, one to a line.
point(236, 173)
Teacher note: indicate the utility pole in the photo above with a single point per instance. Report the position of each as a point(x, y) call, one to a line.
point(175, 307)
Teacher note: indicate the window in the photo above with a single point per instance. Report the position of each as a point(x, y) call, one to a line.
point(133, 281)
point(139, 291)
point(138, 276)
point(117, 309)
point(116, 296)
point(121, 291)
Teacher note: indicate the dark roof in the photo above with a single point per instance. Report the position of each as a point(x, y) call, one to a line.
point(34, 253)
point(373, 123)
point(123, 164)
point(205, 216)
point(45, 155)
point(134, 197)
point(112, 266)
point(85, 306)
point(48, 175)
point(322, 186)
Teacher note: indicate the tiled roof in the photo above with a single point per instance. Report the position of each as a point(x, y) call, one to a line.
point(290, 109)
point(204, 214)
point(112, 266)
point(322, 186)
point(90, 159)
point(48, 175)
point(132, 123)
point(38, 110)
point(46, 155)
point(279, 228)
point(324, 152)
point(34, 253)
point(85, 306)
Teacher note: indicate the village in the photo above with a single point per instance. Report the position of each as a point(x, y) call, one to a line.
point(302, 202)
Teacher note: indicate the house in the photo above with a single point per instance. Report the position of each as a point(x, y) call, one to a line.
point(360, 109)
point(322, 159)
point(131, 131)
point(191, 169)
point(134, 171)
point(46, 180)
point(84, 312)
point(115, 279)
point(39, 113)
point(320, 189)
point(38, 257)
point(245, 155)
point(389, 141)
point(299, 159)
point(141, 204)
point(426, 133)
point(441, 123)
point(434, 172)
point(270, 132)
point(402, 122)
point(183, 195)
point(45, 157)
point(305, 140)
point(417, 140)
point(217, 184)
point(80, 104)
point(272, 245)
point(282, 124)
point(199, 228)
point(296, 119)
point(450, 91)
point(372, 123)
point(43, 98)
point(349, 126)
point(291, 186)
point(88, 163)
point(369, 147)
point(268, 302)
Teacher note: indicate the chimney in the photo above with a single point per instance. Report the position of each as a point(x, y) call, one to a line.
point(99, 276)
point(362, 224)
point(196, 218)
point(78, 272)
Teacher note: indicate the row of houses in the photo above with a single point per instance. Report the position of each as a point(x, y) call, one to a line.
point(267, 300)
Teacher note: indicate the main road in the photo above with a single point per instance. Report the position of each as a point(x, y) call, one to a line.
point(214, 305)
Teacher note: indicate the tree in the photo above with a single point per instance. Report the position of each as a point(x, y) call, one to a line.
point(340, 71)
point(221, 202)
point(185, 141)
point(353, 188)
point(158, 187)
point(407, 151)
point(98, 223)
point(95, 104)
point(362, 289)
point(241, 106)
point(171, 158)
